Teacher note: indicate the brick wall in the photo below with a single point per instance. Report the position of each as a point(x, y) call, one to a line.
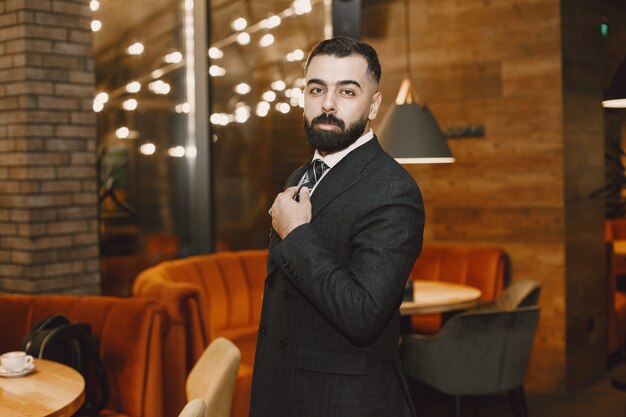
point(48, 187)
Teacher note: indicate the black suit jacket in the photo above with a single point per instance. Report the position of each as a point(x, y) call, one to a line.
point(330, 324)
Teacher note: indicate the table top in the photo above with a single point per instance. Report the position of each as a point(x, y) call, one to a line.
point(50, 390)
point(439, 297)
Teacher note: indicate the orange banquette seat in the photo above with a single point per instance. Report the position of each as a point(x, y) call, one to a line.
point(131, 333)
point(220, 294)
point(208, 296)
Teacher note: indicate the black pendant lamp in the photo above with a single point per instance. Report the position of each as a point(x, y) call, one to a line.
point(409, 131)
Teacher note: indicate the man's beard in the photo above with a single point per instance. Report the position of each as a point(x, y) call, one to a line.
point(330, 140)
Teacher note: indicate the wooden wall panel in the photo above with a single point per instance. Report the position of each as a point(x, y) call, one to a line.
point(500, 65)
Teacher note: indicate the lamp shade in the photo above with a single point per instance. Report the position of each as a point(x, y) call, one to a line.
point(411, 135)
point(615, 97)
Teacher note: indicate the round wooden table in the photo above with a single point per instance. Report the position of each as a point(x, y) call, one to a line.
point(51, 389)
point(439, 297)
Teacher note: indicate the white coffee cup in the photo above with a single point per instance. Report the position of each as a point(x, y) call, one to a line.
point(15, 361)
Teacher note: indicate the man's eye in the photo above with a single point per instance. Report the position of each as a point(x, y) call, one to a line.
point(316, 90)
point(347, 92)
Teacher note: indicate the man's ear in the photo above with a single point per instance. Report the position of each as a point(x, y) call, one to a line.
point(375, 105)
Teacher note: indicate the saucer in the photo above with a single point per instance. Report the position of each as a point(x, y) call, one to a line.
point(12, 374)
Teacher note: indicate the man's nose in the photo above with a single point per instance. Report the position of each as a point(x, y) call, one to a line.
point(328, 104)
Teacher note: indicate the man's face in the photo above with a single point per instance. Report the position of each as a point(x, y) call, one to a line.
point(340, 99)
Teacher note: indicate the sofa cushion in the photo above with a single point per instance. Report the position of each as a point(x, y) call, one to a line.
point(485, 268)
point(131, 335)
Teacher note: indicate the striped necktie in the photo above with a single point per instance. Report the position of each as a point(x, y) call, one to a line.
point(313, 174)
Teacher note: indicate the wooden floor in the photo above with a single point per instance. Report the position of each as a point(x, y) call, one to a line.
point(599, 399)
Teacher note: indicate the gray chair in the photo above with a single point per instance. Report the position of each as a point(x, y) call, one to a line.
point(521, 293)
point(479, 352)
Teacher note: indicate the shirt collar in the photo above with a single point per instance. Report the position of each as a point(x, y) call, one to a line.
point(333, 159)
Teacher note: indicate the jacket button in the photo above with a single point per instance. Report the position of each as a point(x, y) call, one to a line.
point(286, 293)
point(262, 332)
point(282, 344)
point(269, 283)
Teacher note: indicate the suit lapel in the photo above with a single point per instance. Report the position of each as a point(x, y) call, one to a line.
point(344, 175)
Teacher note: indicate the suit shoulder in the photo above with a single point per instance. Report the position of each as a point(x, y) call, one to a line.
point(384, 165)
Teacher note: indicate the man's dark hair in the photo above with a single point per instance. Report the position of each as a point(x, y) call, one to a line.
point(342, 47)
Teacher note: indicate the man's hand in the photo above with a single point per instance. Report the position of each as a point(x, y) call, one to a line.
point(287, 213)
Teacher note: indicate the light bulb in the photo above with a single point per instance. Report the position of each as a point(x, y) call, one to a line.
point(147, 149)
point(133, 87)
point(243, 38)
point(269, 96)
point(215, 53)
point(122, 132)
point(135, 49)
point(130, 104)
point(266, 40)
point(279, 85)
point(242, 88)
point(239, 24)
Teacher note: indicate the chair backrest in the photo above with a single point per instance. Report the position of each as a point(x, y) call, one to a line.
point(475, 353)
point(521, 293)
point(213, 377)
point(194, 408)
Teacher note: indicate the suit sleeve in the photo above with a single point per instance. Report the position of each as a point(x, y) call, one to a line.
point(386, 241)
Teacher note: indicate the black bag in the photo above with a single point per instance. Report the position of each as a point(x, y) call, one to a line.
point(57, 339)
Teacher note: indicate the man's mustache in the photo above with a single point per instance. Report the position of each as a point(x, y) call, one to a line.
point(328, 119)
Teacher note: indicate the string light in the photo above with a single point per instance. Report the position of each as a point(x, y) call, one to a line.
point(215, 53)
point(243, 38)
point(176, 151)
point(220, 119)
point(130, 104)
point(133, 87)
point(295, 55)
point(242, 113)
point(269, 96)
point(239, 24)
point(270, 22)
point(242, 88)
point(283, 107)
point(217, 71)
point(266, 40)
point(279, 85)
point(94, 5)
point(182, 108)
point(135, 49)
point(96, 25)
point(173, 58)
point(301, 7)
point(122, 132)
point(262, 109)
point(157, 73)
point(159, 87)
point(147, 148)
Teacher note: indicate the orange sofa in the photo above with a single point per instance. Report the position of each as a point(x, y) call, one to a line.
point(485, 268)
point(615, 235)
point(131, 334)
point(207, 297)
point(221, 294)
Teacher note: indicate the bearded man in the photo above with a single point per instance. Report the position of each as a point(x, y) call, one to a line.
point(346, 233)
